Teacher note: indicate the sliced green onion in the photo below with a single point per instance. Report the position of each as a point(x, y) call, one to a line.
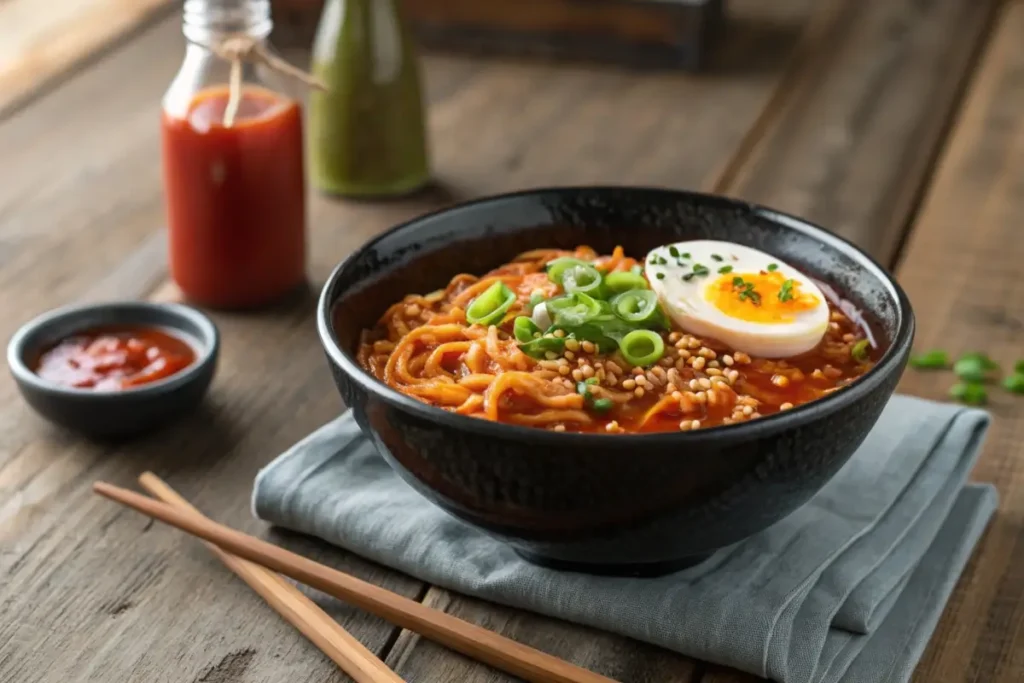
point(541, 346)
point(524, 329)
point(584, 279)
point(859, 352)
point(591, 380)
point(583, 389)
point(557, 268)
point(970, 393)
point(535, 299)
point(602, 405)
point(489, 307)
point(930, 360)
point(642, 347)
point(1014, 383)
point(638, 306)
point(619, 282)
point(982, 358)
point(573, 309)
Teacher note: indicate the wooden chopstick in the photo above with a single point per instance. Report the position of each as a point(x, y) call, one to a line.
point(469, 639)
point(327, 634)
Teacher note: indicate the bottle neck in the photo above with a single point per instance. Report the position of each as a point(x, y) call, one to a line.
point(206, 21)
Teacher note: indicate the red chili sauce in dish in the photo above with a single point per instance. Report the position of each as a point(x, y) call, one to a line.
point(113, 359)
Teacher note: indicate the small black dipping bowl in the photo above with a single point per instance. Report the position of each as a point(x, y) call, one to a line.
point(598, 503)
point(108, 414)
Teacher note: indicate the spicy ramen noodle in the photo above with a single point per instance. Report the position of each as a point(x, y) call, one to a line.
point(580, 342)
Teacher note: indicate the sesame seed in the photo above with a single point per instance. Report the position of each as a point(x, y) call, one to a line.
point(698, 363)
point(550, 355)
point(412, 310)
point(695, 424)
point(685, 425)
point(755, 415)
point(629, 384)
point(638, 392)
point(677, 396)
point(612, 366)
point(727, 359)
point(684, 354)
point(559, 333)
point(577, 375)
point(694, 384)
point(694, 343)
point(572, 345)
point(780, 380)
point(569, 354)
point(588, 346)
point(713, 364)
point(563, 370)
point(713, 372)
point(785, 406)
point(588, 371)
point(611, 380)
point(612, 426)
point(747, 410)
point(701, 396)
point(704, 383)
point(712, 397)
point(741, 358)
point(674, 337)
point(559, 428)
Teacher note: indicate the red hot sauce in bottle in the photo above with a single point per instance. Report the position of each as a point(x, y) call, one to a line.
point(235, 198)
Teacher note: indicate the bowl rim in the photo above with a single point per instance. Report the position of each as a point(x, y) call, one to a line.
point(209, 345)
point(891, 360)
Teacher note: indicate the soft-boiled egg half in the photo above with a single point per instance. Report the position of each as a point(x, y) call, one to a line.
point(743, 297)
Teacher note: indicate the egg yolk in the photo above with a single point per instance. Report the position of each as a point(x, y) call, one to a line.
point(763, 297)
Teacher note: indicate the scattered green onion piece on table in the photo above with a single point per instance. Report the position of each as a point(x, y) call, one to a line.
point(619, 282)
point(971, 368)
point(970, 393)
point(639, 307)
point(859, 352)
point(557, 268)
point(642, 347)
point(1014, 383)
point(489, 307)
point(602, 405)
point(524, 329)
point(930, 360)
point(1019, 367)
point(982, 358)
point(583, 279)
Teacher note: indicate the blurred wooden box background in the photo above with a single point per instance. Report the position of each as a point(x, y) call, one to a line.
point(661, 33)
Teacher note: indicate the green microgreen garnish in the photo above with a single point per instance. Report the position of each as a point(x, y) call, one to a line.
point(746, 291)
point(687, 277)
point(930, 360)
point(700, 269)
point(716, 257)
point(772, 267)
point(660, 276)
point(725, 269)
point(786, 293)
point(673, 252)
point(685, 254)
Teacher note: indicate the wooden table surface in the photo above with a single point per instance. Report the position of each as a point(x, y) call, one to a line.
point(898, 123)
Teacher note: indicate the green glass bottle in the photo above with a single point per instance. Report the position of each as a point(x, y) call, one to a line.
point(366, 131)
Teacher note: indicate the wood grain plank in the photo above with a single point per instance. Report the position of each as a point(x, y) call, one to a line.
point(962, 273)
point(854, 144)
point(40, 41)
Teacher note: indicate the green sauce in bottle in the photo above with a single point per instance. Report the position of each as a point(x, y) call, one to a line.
point(366, 131)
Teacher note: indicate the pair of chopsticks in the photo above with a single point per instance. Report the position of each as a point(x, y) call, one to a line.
point(256, 561)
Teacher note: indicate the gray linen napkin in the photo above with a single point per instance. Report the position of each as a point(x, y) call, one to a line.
point(847, 588)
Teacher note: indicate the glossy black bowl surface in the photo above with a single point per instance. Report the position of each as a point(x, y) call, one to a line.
point(622, 504)
point(112, 414)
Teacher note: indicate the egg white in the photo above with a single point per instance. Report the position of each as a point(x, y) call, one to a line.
point(687, 303)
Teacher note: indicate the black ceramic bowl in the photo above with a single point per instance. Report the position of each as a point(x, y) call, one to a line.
point(622, 504)
point(117, 413)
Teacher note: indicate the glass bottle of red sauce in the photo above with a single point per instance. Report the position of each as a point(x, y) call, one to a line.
point(233, 166)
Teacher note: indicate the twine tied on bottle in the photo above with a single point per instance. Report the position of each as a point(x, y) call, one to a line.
point(239, 49)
